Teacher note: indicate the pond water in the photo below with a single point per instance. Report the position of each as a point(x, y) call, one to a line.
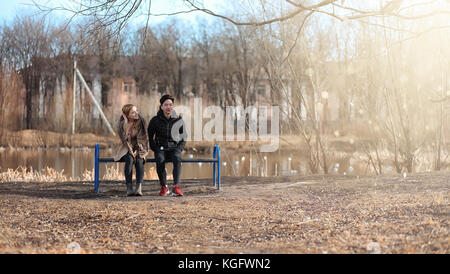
point(74, 162)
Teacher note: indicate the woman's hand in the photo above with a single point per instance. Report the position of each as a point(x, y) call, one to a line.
point(130, 150)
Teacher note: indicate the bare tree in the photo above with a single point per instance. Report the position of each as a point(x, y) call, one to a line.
point(27, 44)
point(11, 100)
point(206, 46)
point(118, 13)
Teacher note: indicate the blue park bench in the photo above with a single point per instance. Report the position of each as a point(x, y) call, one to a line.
point(215, 160)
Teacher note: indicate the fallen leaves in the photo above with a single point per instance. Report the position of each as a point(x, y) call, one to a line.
point(258, 217)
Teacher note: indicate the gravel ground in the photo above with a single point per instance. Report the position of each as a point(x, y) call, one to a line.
point(300, 214)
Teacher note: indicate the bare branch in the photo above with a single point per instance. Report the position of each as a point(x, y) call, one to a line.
point(266, 22)
point(297, 36)
point(119, 12)
point(440, 100)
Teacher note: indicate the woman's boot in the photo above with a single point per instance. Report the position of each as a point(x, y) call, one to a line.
point(138, 189)
point(130, 189)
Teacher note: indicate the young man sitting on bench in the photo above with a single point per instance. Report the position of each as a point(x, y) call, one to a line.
point(167, 139)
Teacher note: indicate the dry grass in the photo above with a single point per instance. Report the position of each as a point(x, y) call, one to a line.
point(23, 174)
point(48, 174)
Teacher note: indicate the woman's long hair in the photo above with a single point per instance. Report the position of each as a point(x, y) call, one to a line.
point(126, 110)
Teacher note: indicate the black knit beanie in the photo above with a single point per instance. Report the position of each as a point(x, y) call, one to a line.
point(165, 97)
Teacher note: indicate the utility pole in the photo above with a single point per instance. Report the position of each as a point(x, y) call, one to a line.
point(74, 94)
point(89, 92)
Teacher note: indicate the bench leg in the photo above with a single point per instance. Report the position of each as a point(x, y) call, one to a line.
point(96, 168)
point(214, 165)
point(218, 168)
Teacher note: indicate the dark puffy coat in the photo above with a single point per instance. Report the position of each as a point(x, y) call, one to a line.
point(160, 132)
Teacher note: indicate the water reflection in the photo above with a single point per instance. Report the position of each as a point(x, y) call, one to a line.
point(73, 163)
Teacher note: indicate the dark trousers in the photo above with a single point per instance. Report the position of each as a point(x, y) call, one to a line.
point(161, 157)
point(139, 165)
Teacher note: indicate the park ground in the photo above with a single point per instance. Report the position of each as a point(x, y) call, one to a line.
point(297, 214)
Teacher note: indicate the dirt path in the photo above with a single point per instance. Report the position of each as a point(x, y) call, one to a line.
point(314, 214)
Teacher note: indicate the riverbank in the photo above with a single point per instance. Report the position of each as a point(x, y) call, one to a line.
point(298, 214)
point(50, 140)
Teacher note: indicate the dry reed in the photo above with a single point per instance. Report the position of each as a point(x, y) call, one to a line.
point(48, 174)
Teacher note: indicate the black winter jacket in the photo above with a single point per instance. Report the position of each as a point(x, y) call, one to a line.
point(160, 132)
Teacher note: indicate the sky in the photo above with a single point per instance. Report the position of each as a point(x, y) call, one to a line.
point(10, 8)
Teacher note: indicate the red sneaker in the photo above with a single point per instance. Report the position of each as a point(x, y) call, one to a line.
point(164, 191)
point(176, 191)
